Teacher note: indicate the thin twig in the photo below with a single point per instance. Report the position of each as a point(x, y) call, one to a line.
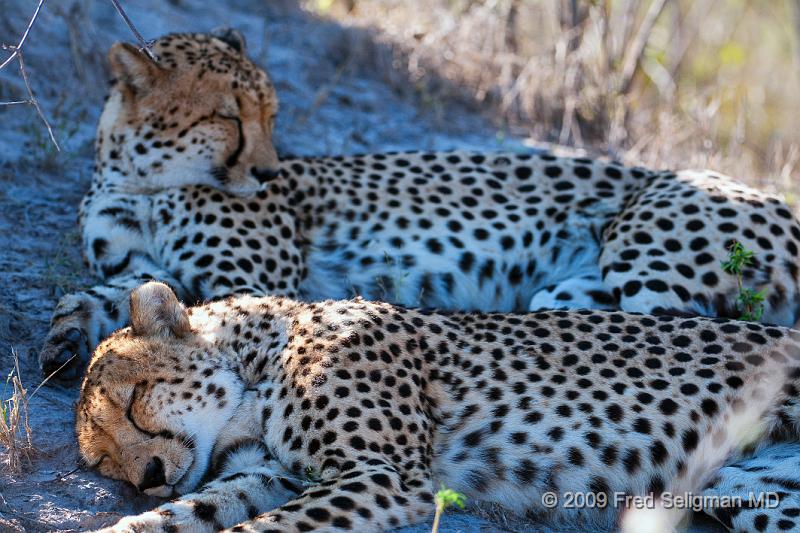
point(17, 54)
point(144, 46)
point(53, 373)
point(14, 420)
point(33, 100)
point(18, 48)
point(63, 477)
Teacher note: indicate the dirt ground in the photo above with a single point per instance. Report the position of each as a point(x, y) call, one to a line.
point(331, 102)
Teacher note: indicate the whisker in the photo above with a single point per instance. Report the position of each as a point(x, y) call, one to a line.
point(220, 174)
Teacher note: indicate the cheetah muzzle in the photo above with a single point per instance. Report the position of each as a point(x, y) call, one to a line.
point(349, 414)
point(187, 189)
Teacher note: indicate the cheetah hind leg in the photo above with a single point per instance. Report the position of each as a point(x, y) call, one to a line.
point(586, 291)
point(768, 486)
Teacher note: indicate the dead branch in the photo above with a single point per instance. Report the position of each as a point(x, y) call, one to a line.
point(144, 46)
point(16, 53)
point(18, 48)
point(32, 99)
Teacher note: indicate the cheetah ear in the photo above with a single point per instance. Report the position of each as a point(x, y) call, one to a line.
point(132, 66)
point(232, 37)
point(156, 311)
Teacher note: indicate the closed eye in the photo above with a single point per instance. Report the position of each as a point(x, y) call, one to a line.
point(234, 157)
point(186, 441)
point(129, 414)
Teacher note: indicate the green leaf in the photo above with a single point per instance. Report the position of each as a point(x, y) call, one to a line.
point(448, 497)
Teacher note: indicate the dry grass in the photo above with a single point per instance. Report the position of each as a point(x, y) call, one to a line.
point(664, 83)
point(15, 431)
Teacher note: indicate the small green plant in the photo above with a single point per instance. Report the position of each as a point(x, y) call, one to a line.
point(446, 498)
point(312, 474)
point(749, 302)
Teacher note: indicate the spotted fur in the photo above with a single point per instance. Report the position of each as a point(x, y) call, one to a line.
point(347, 415)
point(773, 475)
point(182, 147)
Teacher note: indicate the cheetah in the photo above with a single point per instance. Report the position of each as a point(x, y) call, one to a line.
point(187, 189)
point(347, 415)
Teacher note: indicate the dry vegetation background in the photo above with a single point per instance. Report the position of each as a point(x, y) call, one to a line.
point(665, 83)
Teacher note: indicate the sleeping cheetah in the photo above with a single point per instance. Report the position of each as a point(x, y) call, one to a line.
point(187, 189)
point(347, 415)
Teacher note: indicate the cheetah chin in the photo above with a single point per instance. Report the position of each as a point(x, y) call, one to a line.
point(349, 415)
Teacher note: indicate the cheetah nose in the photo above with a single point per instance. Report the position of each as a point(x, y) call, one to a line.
point(153, 474)
point(264, 175)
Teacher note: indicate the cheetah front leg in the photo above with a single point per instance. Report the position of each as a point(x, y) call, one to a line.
point(223, 503)
point(375, 498)
point(82, 319)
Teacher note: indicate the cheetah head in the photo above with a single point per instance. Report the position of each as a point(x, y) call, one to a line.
point(202, 115)
point(155, 398)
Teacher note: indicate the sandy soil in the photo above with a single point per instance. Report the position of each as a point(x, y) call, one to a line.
point(332, 102)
